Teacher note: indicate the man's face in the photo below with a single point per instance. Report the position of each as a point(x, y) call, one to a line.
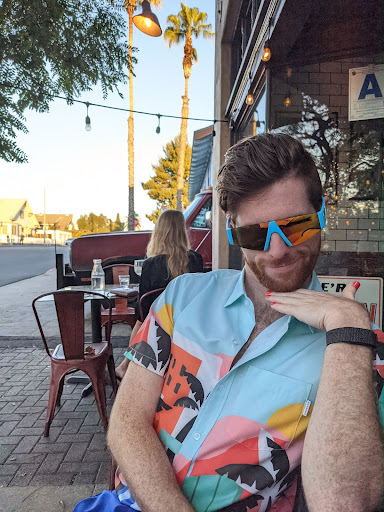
point(280, 268)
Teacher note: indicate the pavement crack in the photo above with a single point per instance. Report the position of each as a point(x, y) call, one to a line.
point(29, 495)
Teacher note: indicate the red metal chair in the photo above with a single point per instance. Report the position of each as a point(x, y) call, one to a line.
point(153, 294)
point(121, 313)
point(74, 354)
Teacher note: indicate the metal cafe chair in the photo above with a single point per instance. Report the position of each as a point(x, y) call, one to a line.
point(73, 354)
point(121, 313)
point(147, 299)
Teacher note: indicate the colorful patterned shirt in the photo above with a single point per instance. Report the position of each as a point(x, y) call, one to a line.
point(234, 436)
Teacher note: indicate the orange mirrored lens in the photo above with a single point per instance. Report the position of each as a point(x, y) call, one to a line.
point(301, 228)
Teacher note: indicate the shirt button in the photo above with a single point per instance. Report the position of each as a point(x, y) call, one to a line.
point(222, 386)
point(197, 436)
point(235, 342)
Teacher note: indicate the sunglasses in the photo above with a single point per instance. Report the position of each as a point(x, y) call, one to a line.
point(294, 231)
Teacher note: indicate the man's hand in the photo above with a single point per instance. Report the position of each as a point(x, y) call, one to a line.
point(322, 310)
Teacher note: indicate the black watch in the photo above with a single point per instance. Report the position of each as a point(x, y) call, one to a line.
point(352, 336)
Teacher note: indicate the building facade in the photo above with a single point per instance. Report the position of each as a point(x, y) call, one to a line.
point(19, 225)
point(17, 220)
point(323, 83)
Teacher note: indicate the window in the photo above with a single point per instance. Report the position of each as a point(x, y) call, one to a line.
point(199, 221)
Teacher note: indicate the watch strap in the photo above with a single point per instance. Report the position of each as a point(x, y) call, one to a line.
point(352, 336)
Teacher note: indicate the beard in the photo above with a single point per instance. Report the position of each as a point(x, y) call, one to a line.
point(298, 277)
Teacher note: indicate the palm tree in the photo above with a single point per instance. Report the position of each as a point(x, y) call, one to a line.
point(131, 5)
point(182, 26)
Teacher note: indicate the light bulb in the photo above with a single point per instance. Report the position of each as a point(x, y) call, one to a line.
point(287, 101)
point(266, 52)
point(157, 129)
point(147, 22)
point(88, 126)
point(249, 99)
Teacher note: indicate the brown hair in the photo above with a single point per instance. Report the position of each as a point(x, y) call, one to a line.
point(170, 237)
point(255, 163)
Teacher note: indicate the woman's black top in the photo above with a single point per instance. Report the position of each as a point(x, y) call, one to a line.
point(154, 274)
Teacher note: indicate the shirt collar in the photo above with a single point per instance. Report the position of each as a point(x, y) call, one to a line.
point(238, 289)
point(315, 284)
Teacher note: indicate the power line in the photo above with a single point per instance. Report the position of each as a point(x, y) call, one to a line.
point(89, 104)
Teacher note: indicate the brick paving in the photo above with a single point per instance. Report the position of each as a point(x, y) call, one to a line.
point(75, 452)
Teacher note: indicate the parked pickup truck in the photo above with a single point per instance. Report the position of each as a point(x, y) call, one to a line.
point(125, 247)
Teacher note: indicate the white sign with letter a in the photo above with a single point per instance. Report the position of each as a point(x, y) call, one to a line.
point(366, 93)
point(370, 293)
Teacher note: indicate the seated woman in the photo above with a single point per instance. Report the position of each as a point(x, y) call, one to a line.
point(169, 256)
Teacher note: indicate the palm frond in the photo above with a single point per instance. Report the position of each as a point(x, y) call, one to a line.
point(207, 34)
point(156, 3)
point(188, 20)
point(174, 20)
point(173, 37)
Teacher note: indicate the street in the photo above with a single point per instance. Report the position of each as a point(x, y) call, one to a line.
point(22, 262)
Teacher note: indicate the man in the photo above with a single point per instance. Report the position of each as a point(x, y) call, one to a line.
point(213, 413)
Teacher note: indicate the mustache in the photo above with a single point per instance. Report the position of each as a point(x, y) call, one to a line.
point(280, 263)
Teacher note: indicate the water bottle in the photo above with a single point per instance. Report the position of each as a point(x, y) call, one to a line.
point(97, 276)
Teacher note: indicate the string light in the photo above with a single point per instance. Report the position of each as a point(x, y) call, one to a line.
point(287, 100)
point(158, 126)
point(70, 100)
point(88, 126)
point(249, 99)
point(266, 55)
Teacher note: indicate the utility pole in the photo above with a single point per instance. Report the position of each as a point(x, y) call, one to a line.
point(44, 223)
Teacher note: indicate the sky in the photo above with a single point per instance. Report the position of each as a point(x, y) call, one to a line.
point(85, 172)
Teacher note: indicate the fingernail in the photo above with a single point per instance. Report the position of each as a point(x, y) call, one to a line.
point(268, 293)
point(273, 303)
point(356, 285)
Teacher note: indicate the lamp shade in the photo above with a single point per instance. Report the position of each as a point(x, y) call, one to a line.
point(147, 22)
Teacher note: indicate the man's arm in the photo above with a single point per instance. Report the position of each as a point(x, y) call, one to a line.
point(136, 447)
point(342, 456)
point(342, 461)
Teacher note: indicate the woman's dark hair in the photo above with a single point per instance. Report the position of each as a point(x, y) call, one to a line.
point(256, 163)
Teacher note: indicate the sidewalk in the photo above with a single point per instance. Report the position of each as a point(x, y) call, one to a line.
point(40, 474)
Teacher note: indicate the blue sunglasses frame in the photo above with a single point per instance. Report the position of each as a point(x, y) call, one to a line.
point(274, 228)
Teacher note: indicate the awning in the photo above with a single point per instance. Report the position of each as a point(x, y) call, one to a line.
point(201, 159)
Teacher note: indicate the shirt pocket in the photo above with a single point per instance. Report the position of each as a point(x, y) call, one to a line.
point(267, 405)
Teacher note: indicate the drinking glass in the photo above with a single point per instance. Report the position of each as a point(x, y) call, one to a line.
point(138, 265)
point(124, 281)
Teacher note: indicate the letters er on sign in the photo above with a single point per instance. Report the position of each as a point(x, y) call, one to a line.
point(370, 293)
